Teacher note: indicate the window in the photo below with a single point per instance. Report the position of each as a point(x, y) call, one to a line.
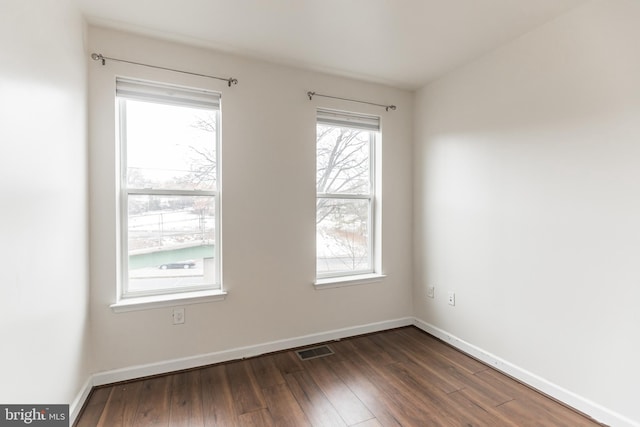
point(169, 187)
point(345, 185)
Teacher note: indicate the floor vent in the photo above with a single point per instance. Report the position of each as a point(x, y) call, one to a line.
point(314, 352)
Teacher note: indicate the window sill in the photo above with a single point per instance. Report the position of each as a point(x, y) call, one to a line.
point(342, 281)
point(170, 300)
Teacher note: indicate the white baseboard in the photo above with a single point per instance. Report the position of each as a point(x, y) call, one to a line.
point(586, 406)
point(592, 409)
point(76, 406)
point(140, 371)
point(162, 367)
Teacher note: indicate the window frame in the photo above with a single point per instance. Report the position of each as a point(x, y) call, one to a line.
point(162, 297)
point(330, 279)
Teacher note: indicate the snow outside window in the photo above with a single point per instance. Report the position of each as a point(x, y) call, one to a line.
point(169, 186)
point(345, 186)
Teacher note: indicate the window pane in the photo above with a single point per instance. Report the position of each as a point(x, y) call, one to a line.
point(343, 160)
point(343, 236)
point(170, 146)
point(171, 242)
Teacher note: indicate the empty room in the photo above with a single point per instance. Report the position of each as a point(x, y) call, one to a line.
point(320, 213)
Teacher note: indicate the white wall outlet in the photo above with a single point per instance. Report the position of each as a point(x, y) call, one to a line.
point(452, 298)
point(178, 316)
point(431, 291)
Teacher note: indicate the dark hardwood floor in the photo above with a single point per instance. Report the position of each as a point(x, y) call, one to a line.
point(401, 377)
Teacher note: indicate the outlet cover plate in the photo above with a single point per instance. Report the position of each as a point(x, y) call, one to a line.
point(452, 298)
point(178, 316)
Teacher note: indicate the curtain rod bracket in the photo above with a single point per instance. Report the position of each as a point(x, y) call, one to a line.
point(98, 57)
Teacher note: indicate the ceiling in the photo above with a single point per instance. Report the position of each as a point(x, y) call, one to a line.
point(403, 43)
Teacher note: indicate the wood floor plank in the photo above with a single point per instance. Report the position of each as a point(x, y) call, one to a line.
point(244, 387)
point(96, 403)
point(483, 394)
point(375, 399)
point(287, 362)
point(350, 408)
point(266, 372)
point(375, 353)
point(400, 387)
point(432, 344)
point(100, 395)
point(155, 398)
point(443, 373)
point(430, 406)
point(478, 414)
point(283, 407)
point(440, 373)
point(531, 405)
point(422, 343)
point(259, 418)
point(528, 414)
point(343, 350)
point(186, 400)
point(389, 343)
point(368, 423)
point(313, 401)
point(217, 401)
point(433, 401)
point(401, 377)
point(120, 410)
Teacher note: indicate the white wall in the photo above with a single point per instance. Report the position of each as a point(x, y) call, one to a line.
point(527, 203)
point(43, 187)
point(268, 203)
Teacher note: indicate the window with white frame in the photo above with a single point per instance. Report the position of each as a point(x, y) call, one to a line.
point(345, 199)
point(169, 188)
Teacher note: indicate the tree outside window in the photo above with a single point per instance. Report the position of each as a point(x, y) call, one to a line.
point(169, 142)
point(345, 146)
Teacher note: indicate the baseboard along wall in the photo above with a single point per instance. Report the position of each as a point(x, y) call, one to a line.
point(592, 409)
point(586, 406)
point(141, 371)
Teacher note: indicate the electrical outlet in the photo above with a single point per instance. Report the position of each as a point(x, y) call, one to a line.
point(431, 291)
point(452, 298)
point(178, 316)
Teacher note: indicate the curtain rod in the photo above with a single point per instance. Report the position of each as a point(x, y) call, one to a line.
point(101, 58)
point(386, 107)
